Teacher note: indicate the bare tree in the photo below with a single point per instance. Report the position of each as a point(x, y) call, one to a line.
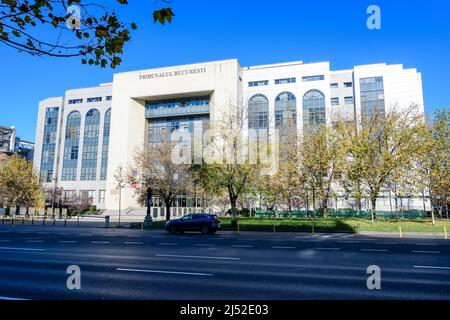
point(156, 169)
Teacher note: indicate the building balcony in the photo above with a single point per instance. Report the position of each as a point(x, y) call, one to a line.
point(177, 111)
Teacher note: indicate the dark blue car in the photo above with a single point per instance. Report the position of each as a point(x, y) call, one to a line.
point(205, 223)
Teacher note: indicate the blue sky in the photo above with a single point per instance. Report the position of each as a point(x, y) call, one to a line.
point(414, 33)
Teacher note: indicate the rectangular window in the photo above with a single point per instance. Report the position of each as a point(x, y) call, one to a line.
point(109, 98)
point(372, 98)
point(75, 101)
point(313, 78)
point(334, 86)
point(335, 101)
point(286, 81)
point(348, 100)
point(87, 194)
point(348, 84)
point(95, 99)
point(258, 83)
point(101, 196)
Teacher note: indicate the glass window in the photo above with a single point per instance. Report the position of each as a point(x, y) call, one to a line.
point(258, 83)
point(101, 196)
point(105, 146)
point(95, 99)
point(313, 78)
point(334, 86)
point(49, 144)
point(71, 147)
point(90, 146)
point(75, 101)
point(258, 112)
point(348, 100)
point(372, 98)
point(109, 98)
point(335, 101)
point(286, 81)
point(87, 194)
point(348, 84)
point(285, 110)
point(313, 108)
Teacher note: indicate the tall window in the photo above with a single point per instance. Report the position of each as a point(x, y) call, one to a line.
point(90, 146)
point(49, 144)
point(105, 147)
point(372, 98)
point(286, 110)
point(313, 108)
point(71, 147)
point(258, 112)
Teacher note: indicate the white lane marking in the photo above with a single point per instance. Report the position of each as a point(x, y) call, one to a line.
point(432, 252)
point(432, 267)
point(68, 241)
point(131, 242)
point(426, 244)
point(327, 248)
point(386, 243)
point(21, 249)
point(348, 241)
point(167, 272)
point(241, 246)
point(280, 247)
point(168, 244)
point(204, 245)
point(374, 250)
point(100, 242)
point(194, 257)
point(12, 299)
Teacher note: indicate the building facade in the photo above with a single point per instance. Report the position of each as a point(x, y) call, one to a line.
point(11, 144)
point(83, 137)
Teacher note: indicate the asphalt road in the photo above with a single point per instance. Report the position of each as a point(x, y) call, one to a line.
point(134, 264)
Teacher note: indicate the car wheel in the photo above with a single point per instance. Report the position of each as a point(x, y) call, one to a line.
point(173, 230)
point(205, 230)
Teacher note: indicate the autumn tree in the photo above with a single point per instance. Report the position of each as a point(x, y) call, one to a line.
point(383, 146)
point(322, 161)
point(233, 161)
point(432, 167)
point(19, 185)
point(89, 30)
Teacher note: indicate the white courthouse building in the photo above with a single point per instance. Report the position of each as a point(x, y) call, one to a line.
point(84, 136)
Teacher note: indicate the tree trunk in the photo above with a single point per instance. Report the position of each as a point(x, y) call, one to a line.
point(433, 220)
point(373, 209)
point(168, 207)
point(424, 204)
point(233, 201)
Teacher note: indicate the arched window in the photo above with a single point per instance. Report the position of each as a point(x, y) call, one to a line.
point(285, 110)
point(90, 146)
point(313, 108)
point(258, 112)
point(71, 147)
point(105, 146)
